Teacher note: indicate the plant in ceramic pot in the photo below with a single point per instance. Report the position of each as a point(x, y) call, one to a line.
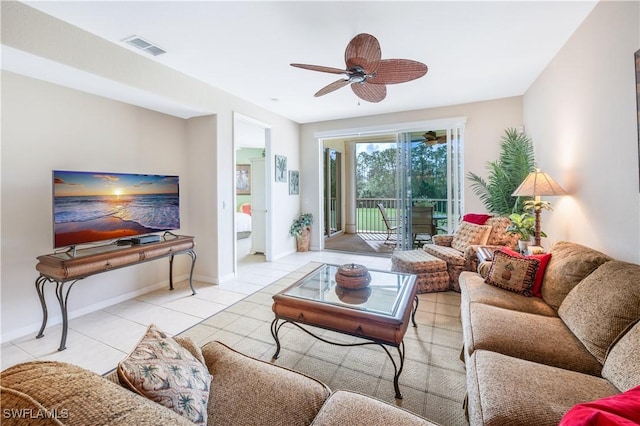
point(301, 230)
point(523, 225)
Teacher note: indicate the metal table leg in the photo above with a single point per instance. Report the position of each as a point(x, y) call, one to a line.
point(63, 297)
point(191, 254)
point(415, 308)
point(40, 282)
point(275, 328)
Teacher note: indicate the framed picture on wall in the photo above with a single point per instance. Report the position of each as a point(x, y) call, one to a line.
point(294, 182)
point(243, 179)
point(281, 168)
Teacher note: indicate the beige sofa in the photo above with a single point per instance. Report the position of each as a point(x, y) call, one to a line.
point(530, 360)
point(243, 391)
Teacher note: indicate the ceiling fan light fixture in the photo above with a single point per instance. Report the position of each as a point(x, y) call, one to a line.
point(367, 72)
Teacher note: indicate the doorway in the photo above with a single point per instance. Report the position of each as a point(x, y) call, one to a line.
point(332, 192)
point(403, 170)
point(251, 190)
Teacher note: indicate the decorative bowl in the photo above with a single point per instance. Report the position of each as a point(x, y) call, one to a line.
point(353, 276)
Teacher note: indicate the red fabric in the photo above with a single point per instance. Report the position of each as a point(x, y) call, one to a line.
point(478, 219)
point(617, 410)
point(544, 260)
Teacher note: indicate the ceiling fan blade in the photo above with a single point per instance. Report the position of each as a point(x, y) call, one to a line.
point(320, 68)
point(363, 51)
point(369, 92)
point(331, 87)
point(393, 71)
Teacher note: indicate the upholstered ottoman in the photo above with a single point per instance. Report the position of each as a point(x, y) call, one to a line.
point(431, 272)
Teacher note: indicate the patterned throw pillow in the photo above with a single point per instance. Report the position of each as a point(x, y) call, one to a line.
point(160, 369)
point(544, 260)
point(512, 273)
point(469, 234)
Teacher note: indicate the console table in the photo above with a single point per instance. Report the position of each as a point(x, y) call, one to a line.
point(70, 267)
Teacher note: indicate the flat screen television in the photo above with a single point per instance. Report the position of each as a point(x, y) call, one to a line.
point(90, 207)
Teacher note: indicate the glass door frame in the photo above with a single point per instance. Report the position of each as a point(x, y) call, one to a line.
point(455, 162)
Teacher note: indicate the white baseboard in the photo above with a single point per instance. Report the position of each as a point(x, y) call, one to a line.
point(57, 318)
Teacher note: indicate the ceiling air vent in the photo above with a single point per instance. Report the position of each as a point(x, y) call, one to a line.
point(144, 45)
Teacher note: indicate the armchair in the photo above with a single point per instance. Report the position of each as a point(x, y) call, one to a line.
point(459, 249)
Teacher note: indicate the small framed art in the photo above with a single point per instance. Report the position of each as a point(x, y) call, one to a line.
point(294, 182)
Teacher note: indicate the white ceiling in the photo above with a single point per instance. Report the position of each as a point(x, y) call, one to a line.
point(475, 50)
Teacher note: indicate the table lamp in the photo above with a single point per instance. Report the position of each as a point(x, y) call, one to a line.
point(536, 184)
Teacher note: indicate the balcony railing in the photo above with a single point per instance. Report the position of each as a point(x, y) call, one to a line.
point(369, 219)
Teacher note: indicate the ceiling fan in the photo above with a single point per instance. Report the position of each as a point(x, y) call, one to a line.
point(431, 139)
point(367, 72)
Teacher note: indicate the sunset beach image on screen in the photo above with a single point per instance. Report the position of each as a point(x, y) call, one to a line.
point(90, 206)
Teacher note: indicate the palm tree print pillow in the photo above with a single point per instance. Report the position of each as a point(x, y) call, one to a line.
point(160, 369)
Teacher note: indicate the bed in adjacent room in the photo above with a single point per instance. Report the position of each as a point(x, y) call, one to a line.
point(243, 221)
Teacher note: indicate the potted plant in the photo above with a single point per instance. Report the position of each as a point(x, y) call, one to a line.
point(301, 230)
point(514, 164)
point(524, 225)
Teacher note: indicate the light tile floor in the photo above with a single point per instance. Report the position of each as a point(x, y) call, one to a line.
point(99, 340)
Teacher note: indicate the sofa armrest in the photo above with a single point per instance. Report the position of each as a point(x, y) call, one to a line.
point(471, 256)
point(248, 391)
point(350, 408)
point(442, 239)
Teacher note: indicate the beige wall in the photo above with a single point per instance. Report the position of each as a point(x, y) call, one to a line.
point(581, 114)
point(486, 122)
point(46, 127)
point(55, 119)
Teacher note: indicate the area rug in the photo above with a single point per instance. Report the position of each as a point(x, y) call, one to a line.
point(432, 381)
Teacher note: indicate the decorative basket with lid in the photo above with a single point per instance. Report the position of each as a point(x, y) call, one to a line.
point(353, 276)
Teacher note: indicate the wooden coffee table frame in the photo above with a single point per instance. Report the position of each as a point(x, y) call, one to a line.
point(375, 328)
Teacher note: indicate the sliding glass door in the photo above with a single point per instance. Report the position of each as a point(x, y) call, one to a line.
point(429, 184)
point(332, 192)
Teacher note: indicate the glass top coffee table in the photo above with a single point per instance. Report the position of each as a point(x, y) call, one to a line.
point(378, 313)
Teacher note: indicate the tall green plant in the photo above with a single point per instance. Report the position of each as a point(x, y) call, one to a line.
point(515, 162)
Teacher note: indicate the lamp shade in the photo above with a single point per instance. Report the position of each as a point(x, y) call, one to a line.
point(538, 183)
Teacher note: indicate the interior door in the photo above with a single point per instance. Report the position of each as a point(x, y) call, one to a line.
point(258, 206)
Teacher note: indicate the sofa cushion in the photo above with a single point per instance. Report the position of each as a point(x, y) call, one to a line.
point(85, 399)
point(249, 392)
point(621, 410)
point(622, 365)
point(544, 261)
point(569, 264)
point(163, 371)
point(513, 273)
point(536, 338)
point(499, 235)
point(350, 408)
point(474, 289)
point(506, 390)
point(602, 305)
point(469, 234)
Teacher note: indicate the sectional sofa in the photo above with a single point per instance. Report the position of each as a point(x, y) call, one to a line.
point(242, 391)
point(529, 360)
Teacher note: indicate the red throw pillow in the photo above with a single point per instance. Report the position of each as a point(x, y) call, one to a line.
point(478, 219)
point(544, 260)
point(617, 410)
